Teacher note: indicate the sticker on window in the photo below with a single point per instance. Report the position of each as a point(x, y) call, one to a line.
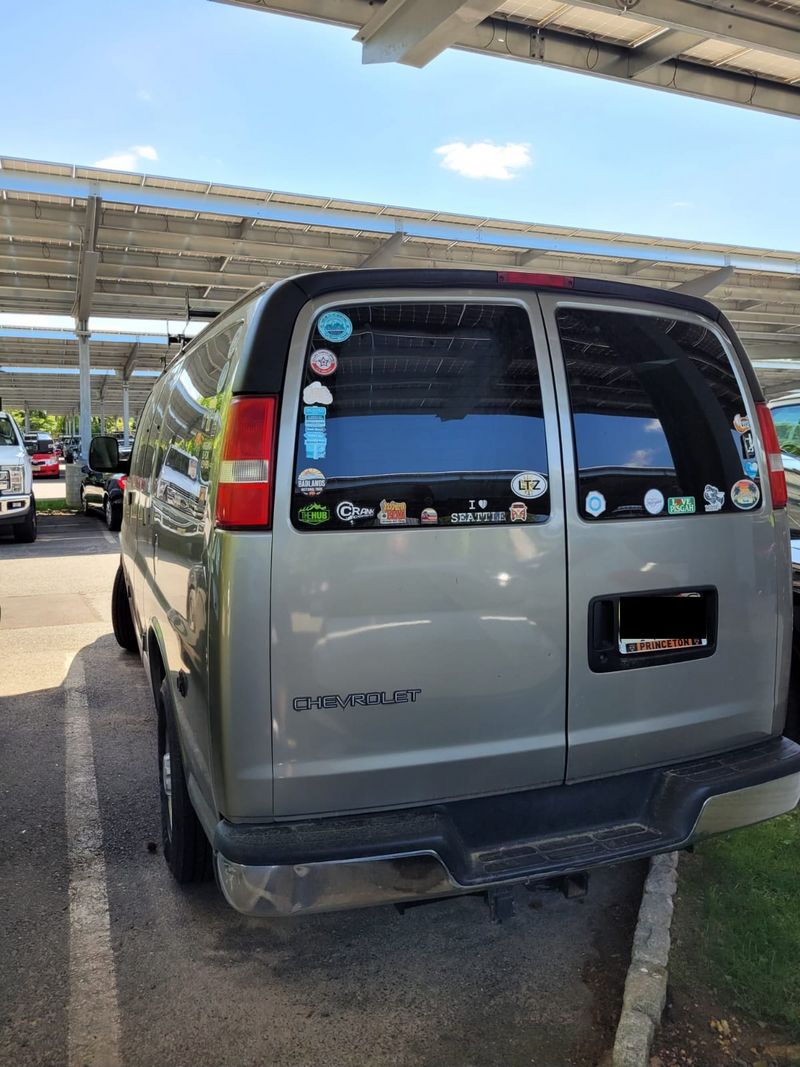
point(317, 393)
point(315, 434)
point(429, 516)
point(392, 513)
point(745, 494)
point(595, 504)
point(335, 326)
point(311, 482)
point(518, 512)
point(349, 512)
point(654, 501)
point(323, 362)
point(741, 423)
point(681, 505)
point(314, 514)
point(714, 498)
point(529, 484)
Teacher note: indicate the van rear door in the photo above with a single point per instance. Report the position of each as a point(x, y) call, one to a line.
point(676, 564)
point(418, 575)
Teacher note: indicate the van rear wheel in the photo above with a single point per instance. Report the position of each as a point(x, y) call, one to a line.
point(121, 619)
point(186, 847)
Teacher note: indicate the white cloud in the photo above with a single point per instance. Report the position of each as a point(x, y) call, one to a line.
point(681, 203)
point(642, 457)
point(145, 96)
point(482, 159)
point(129, 158)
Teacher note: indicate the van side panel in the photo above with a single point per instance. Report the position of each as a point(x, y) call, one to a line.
point(240, 712)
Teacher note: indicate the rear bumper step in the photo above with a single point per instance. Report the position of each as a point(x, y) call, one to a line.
point(470, 845)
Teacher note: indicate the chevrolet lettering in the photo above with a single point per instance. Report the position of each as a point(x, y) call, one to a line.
point(355, 700)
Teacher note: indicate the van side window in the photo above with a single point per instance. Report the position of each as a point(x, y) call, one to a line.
point(659, 423)
point(420, 414)
point(787, 427)
point(192, 426)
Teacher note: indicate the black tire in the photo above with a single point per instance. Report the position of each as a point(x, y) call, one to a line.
point(25, 531)
point(113, 514)
point(121, 618)
point(85, 503)
point(186, 847)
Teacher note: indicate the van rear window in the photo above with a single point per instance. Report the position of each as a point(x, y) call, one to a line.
point(659, 423)
point(420, 414)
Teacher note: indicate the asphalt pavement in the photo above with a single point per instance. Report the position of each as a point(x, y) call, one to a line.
point(182, 979)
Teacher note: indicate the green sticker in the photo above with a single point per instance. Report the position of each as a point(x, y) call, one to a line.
point(681, 505)
point(314, 514)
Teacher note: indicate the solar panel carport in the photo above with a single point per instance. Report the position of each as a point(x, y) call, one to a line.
point(744, 52)
point(79, 241)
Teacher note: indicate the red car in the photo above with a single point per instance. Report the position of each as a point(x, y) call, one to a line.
point(44, 458)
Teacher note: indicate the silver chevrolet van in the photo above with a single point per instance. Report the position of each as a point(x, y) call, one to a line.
point(449, 580)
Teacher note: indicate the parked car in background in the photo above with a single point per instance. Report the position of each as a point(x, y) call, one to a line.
point(450, 580)
point(104, 492)
point(17, 503)
point(44, 458)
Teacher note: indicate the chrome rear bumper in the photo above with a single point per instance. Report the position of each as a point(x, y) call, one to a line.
point(333, 885)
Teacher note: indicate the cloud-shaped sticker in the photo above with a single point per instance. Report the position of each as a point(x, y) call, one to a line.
point(317, 393)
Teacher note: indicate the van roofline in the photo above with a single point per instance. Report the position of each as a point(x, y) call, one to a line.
point(283, 301)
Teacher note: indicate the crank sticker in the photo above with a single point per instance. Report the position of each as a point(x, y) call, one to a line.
point(315, 433)
point(595, 504)
point(317, 393)
point(335, 326)
point(653, 502)
point(323, 362)
point(349, 512)
point(311, 482)
point(745, 494)
point(529, 485)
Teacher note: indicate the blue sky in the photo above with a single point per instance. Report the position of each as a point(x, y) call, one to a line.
point(208, 91)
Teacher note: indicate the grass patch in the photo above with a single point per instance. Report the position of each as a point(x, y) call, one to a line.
point(59, 507)
point(739, 921)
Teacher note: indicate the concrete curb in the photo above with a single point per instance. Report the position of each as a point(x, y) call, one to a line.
point(646, 984)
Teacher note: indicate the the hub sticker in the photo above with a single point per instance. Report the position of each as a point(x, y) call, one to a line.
point(745, 494)
point(741, 423)
point(429, 517)
point(750, 468)
point(315, 434)
point(349, 512)
point(748, 447)
point(653, 502)
point(323, 362)
point(467, 517)
point(518, 512)
point(392, 513)
point(314, 514)
point(311, 482)
point(529, 485)
point(595, 504)
point(334, 326)
point(714, 498)
point(681, 505)
point(317, 393)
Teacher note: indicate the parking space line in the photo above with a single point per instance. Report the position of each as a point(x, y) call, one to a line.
point(111, 540)
point(93, 1022)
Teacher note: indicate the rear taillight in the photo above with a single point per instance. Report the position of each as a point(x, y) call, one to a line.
point(122, 481)
point(544, 281)
point(244, 489)
point(777, 478)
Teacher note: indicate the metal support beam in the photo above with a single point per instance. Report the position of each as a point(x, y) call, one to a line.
point(85, 388)
point(126, 414)
point(705, 283)
point(88, 263)
point(416, 31)
point(525, 259)
point(666, 46)
point(387, 253)
point(130, 362)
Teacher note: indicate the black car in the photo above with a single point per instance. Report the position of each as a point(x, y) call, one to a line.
point(104, 492)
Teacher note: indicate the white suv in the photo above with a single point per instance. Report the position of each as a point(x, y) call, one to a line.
point(17, 504)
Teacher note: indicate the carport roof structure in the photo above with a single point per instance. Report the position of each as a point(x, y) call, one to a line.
point(744, 52)
point(79, 241)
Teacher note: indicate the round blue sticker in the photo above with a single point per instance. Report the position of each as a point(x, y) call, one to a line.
point(334, 326)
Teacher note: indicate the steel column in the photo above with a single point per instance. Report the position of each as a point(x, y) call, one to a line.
point(126, 414)
point(85, 388)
